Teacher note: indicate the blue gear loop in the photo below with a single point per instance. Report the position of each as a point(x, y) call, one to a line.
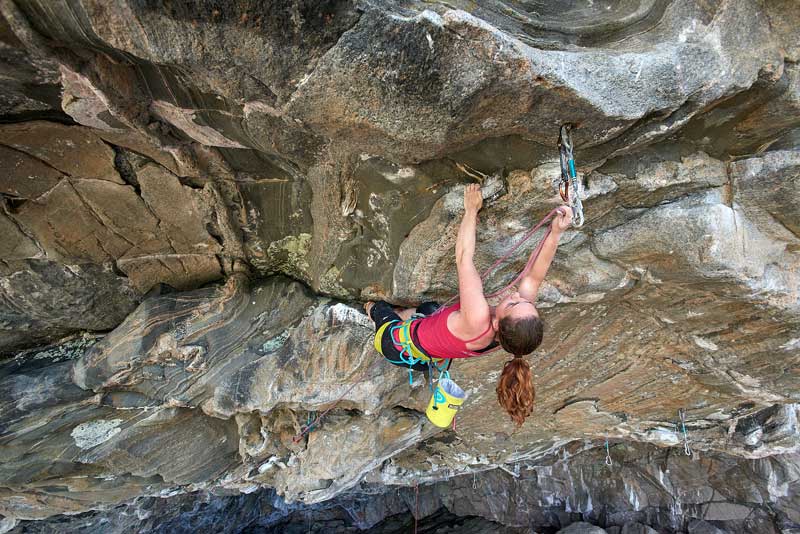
point(407, 356)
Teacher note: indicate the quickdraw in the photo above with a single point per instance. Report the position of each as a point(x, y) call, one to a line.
point(570, 187)
point(687, 449)
point(608, 455)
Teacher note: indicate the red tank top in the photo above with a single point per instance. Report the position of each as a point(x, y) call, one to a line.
point(437, 341)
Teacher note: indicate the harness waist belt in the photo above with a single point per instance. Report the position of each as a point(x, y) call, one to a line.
point(406, 339)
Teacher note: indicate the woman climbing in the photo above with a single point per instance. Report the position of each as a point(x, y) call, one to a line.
point(473, 327)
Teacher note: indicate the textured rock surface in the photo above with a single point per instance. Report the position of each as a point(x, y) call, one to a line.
point(211, 189)
point(646, 489)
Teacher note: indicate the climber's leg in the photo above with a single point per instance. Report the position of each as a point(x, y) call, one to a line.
point(381, 312)
point(428, 308)
point(405, 313)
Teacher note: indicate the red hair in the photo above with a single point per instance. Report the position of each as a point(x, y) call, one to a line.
point(515, 391)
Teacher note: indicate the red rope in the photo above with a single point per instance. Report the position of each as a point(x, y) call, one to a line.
point(508, 254)
point(306, 428)
point(528, 266)
point(416, 499)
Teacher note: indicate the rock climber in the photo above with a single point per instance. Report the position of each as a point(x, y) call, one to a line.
point(472, 327)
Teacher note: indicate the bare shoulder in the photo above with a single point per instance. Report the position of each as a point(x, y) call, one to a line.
point(459, 326)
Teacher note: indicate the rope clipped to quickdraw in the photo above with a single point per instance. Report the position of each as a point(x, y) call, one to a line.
point(305, 429)
point(570, 187)
point(686, 448)
point(569, 193)
point(310, 421)
point(608, 455)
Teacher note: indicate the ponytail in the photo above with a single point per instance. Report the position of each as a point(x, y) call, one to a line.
point(515, 391)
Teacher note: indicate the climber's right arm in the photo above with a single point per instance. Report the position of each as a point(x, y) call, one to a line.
point(475, 312)
point(529, 285)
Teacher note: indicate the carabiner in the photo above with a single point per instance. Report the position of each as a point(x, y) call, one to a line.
point(569, 176)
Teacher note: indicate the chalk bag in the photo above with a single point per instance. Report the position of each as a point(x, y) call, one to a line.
point(444, 403)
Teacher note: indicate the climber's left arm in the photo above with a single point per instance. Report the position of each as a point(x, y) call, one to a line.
point(529, 285)
point(475, 310)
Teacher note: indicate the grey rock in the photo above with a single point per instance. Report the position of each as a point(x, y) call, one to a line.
point(41, 300)
point(723, 511)
point(637, 528)
point(521, 504)
point(581, 528)
point(698, 526)
point(330, 143)
point(30, 85)
point(766, 189)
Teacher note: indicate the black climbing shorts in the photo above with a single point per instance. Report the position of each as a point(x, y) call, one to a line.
point(383, 312)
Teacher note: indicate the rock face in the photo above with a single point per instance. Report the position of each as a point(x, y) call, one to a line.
point(197, 197)
point(575, 491)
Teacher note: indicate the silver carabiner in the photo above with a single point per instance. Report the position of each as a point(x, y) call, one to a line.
point(570, 187)
point(686, 448)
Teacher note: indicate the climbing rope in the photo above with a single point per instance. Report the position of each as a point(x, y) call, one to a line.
point(570, 187)
point(568, 175)
point(307, 427)
point(608, 455)
point(416, 505)
point(507, 255)
point(686, 448)
point(568, 170)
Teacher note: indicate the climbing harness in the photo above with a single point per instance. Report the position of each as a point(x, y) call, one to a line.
point(608, 455)
point(570, 187)
point(686, 448)
point(444, 417)
point(410, 354)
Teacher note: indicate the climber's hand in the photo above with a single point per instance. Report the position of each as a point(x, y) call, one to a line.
point(473, 200)
point(562, 220)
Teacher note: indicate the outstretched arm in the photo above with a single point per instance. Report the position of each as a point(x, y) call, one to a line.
point(475, 311)
point(529, 285)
